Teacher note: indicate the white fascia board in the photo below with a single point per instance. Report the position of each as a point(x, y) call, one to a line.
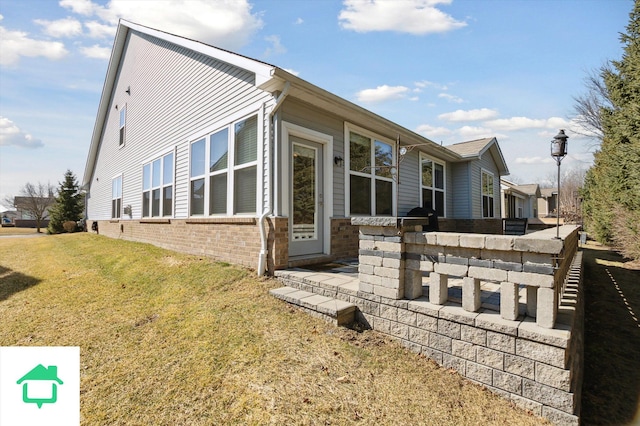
point(353, 113)
point(105, 98)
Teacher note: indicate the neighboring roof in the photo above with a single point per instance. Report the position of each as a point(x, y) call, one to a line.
point(476, 148)
point(42, 373)
point(268, 77)
point(21, 201)
point(548, 192)
point(471, 148)
point(531, 189)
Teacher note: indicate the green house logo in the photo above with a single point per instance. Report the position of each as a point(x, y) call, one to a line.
point(40, 378)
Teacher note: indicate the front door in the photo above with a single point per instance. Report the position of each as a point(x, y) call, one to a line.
point(307, 214)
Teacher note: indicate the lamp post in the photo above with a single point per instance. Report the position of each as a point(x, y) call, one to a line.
point(558, 152)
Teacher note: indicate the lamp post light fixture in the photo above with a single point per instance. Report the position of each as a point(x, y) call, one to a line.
point(558, 152)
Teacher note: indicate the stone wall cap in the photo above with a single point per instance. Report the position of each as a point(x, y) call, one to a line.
point(558, 336)
point(388, 221)
point(374, 221)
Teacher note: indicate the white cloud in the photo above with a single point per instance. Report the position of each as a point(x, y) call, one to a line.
point(451, 98)
point(382, 93)
point(14, 44)
point(299, 21)
point(96, 51)
point(472, 133)
point(469, 115)
point(98, 30)
point(276, 46)
point(81, 7)
point(10, 134)
point(68, 27)
point(290, 71)
point(229, 24)
point(430, 131)
point(424, 84)
point(409, 16)
point(519, 123)
point(533, 160)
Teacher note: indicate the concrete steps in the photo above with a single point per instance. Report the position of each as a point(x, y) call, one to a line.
point(336, 311)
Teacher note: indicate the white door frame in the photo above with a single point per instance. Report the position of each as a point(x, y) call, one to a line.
point(290, 129)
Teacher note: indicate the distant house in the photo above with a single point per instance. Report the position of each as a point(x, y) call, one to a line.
point(201, 150)
point(548, 202)
point(24, 206)
point(519, 201)
point(46, 382)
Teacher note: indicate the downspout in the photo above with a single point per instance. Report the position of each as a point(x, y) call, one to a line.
point(264, 249)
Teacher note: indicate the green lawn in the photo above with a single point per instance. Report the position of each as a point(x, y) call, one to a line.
point(170, 339)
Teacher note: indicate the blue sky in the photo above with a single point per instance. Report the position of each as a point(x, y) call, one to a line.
point(451, 70)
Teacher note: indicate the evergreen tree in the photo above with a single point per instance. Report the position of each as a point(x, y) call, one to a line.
point(612, 188)
point(68, 205)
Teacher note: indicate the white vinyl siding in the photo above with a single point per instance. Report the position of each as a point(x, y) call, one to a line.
point(164, 109)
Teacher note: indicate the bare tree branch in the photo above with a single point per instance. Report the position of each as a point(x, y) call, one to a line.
point(35, 201)
point(588, 107)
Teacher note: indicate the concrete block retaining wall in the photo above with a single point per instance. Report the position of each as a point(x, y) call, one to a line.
point(531, 359)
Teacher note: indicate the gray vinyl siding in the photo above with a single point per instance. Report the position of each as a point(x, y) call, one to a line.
point(322, 121)
point(176, 95)
point(459, 192)
point(409, 183)
point(475, 168)
point(488, 163)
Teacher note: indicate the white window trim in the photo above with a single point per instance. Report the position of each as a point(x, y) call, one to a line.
point(121, 126)
point(290, 129)
point(493, 196)
point(119, 217)
point(229, 123)
point(349, 127)
point(162, 185)
point(424, 156)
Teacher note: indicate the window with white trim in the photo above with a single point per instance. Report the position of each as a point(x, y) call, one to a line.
point(157, 187)
point(432, 185)
point(116, 197)
point(487, 194)
point(123, 123)
point(223, 170)
point(370, 178)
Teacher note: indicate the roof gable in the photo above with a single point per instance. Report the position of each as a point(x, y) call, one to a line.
point(475, 149)
point(263, 72)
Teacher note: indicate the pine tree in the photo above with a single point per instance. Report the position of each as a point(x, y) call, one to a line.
point(68, 205)
point(612, 187)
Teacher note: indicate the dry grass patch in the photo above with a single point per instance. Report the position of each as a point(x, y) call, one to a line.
point(172, 339)
point(12, 230)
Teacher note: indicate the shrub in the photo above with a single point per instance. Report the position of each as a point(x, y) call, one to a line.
point(69, 226)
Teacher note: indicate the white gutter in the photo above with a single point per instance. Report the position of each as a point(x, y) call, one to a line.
point(264, 249)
